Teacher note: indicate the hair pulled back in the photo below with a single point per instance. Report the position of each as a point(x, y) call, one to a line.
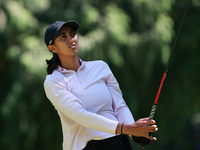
point(53, 63)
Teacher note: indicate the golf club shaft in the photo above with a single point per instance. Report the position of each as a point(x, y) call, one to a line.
point(153, 110)
point(143, 140)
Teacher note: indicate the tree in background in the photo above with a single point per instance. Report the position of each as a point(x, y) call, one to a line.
point(133, 37)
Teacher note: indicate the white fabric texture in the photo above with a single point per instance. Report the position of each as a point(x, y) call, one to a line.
point(89, 103)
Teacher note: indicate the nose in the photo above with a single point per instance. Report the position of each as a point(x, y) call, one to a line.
point(70, 39)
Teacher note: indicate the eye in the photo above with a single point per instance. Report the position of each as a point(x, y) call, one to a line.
point(63, 36)
point(73, 33)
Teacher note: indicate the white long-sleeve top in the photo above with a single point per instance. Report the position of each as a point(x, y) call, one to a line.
point(89, 103)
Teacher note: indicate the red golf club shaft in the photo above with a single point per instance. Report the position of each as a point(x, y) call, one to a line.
point(142, 140)
point(153, 110)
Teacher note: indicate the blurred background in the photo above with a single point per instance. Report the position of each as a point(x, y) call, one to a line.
point(134, 37)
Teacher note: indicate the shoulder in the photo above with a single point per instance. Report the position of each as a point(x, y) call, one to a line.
point(97, 63)
point(56, 76)
point(97, 67)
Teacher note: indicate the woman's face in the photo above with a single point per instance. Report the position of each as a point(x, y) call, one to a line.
point(66, 43)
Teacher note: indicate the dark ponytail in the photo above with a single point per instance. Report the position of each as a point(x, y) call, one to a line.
point(52, 63)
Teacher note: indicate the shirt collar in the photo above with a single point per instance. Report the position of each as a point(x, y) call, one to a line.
point(61, 69)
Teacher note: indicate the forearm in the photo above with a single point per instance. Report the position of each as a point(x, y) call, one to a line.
point(125, 129)
point(140, 128)
point(72, 107)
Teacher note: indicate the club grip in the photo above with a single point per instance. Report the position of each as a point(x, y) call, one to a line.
point(142, 140)
point(153, 111)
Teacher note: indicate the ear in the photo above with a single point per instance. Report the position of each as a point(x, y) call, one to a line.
point(52, 48)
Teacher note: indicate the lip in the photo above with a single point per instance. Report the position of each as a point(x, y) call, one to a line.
point(72, 46)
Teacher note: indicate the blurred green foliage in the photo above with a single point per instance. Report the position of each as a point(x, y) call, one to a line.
point(134, 37)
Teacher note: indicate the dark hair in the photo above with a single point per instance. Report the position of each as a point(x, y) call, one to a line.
point(52, 63)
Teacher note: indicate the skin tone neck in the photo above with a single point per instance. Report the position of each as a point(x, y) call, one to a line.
point(66, 47)
point(70, 64)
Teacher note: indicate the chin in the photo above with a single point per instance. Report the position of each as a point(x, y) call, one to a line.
point(75, 50)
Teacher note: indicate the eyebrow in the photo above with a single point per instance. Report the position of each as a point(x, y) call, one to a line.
point(63, 33)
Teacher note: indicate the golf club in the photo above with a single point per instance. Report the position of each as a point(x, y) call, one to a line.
point(142, 140)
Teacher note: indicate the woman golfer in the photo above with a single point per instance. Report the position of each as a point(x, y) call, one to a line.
point(87, 97)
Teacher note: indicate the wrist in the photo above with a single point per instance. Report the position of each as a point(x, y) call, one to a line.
point(118, 129)
point(123, 128)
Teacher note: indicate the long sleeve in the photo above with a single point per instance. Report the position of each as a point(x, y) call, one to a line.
point(121, 109)
point(73, 108)
point(89, 103)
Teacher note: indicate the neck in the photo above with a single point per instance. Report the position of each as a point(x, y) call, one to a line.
point(72, 63)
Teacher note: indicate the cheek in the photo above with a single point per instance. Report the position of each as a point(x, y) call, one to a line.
point(76, 39)
point(60, 47)
point(77, 43)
